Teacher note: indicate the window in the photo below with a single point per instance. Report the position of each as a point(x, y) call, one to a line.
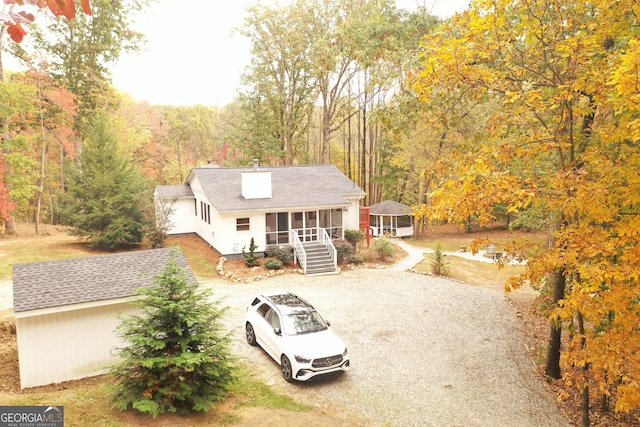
point(274, 320)
point(263, 309)
point(205, 212)
point(242, 224)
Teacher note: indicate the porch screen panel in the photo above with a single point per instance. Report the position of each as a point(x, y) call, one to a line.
point(305, 223)
point(310, 225)
point(277, 228)
point(336, 223)
point(283, 227)
point(404, 221)
point(331, 220)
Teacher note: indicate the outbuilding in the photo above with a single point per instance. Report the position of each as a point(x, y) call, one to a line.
point(391, 218)
point(67, 310)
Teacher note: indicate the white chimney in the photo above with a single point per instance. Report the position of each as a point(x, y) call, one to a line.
point(256, 182)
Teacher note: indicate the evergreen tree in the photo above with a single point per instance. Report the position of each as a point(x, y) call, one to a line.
point(439, 263)
point(107, 194)
point(178, 359)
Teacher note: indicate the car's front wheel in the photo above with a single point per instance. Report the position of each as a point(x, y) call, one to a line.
point(287, 371)
point(251, 334)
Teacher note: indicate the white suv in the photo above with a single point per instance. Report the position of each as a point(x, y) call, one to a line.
point(294, 334)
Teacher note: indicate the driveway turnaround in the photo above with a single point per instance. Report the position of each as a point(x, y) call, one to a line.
point(425, 351)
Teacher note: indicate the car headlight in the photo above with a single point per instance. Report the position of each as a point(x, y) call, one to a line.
point(345, 352)
point(301, 359)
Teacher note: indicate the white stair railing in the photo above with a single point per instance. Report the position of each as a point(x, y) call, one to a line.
point(299, 254)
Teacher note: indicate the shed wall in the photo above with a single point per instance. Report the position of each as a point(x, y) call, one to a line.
point(184, 218)
point(67, 345)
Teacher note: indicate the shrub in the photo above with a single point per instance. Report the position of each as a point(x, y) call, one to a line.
point(272, 264)
point(344, 249)
point(383, 248)
point(354, 237)
point(283, 254)
point(155, 237)
point(250, 259)
point(439, 263)
point(357, 259)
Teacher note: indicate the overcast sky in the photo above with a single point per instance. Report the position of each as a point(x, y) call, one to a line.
point(191, 56)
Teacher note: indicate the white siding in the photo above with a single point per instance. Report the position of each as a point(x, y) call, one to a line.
point(184, 218)
point(232, 241)
point(351, 218)
point(67, 345)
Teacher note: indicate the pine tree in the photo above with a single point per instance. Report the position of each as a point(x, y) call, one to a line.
point(178, 358)
point(106, 196)
point(439, 263)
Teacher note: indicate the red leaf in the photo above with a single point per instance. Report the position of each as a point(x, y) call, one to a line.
point(54, 7)
point(16, 32)
point(69, 8)
point(86, 7)
point(22, 17)
point(62, 7)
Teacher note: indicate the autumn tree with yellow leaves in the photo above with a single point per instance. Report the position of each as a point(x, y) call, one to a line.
point(560, 143)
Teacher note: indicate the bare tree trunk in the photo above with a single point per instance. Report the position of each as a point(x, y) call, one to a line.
point(326, 134)
point(372, 194)
point(179, 160)
point(363, 154)
point(43, 157)
point(552, 368)
point(349, 136)
point(586, 422)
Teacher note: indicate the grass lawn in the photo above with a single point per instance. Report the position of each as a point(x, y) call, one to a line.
point(475, 272)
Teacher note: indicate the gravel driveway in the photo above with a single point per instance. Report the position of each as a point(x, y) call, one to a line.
point(424, 351)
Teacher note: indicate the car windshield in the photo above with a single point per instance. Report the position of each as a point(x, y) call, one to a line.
point(303, 322)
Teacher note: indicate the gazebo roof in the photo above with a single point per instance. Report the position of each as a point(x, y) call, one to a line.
point(389, 207)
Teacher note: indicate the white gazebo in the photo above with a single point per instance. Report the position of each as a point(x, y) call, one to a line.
point(391, 218)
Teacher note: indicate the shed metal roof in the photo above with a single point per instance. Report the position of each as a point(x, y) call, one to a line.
point(57, 283)
point(292, 187)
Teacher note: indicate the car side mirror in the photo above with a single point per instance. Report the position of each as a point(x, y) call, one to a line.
point(327, 322)
point(277, 331)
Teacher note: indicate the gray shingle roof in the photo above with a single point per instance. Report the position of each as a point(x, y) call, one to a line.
point(291, 187)
point(173, 191)
point(389, 207)
point(94, 278)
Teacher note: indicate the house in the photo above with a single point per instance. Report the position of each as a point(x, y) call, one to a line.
point(302, 207)
point(391, 217)
point(67, 311)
